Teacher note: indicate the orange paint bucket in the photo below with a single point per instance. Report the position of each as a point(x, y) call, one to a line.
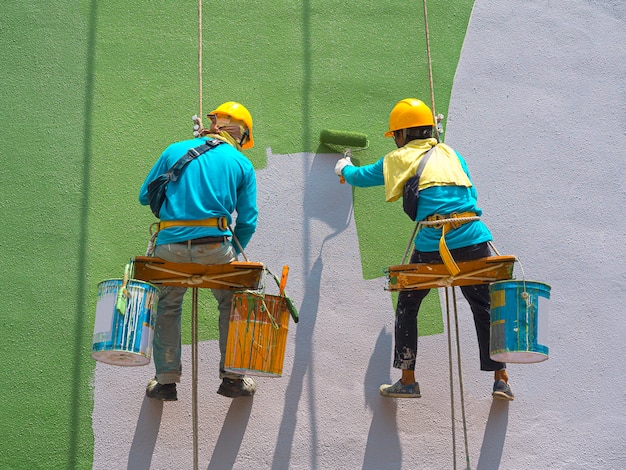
point(257, 334)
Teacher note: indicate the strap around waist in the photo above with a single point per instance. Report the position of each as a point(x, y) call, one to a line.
point(439, 220)
point(447, 223)
point(218, 222)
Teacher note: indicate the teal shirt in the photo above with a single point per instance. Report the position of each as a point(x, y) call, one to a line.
point(434, 200)
point(216, 184)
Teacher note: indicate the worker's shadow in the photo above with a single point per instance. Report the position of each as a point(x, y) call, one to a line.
point(495, 434)
point(230, 438)
point(327, 201)
point(146, 433)
point(383, 449)
point(226, 447)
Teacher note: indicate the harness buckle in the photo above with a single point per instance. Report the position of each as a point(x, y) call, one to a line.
point(434, 217)
point(453, 224)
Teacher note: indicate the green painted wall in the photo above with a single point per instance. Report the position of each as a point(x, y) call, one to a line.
point(46, 99)
point(93, 91)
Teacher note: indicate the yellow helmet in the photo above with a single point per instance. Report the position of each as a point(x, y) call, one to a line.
point(238, 112)
point(407, 113)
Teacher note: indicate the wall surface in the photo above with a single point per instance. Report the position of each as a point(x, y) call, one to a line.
point(537, 108)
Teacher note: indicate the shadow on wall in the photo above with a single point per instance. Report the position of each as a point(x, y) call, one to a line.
point(231, 436)
point(81, 329)
point(146, 432)
point(383, 449)
point(495, 434)
point(336, 219)
point(226, 447)
point(301, 364)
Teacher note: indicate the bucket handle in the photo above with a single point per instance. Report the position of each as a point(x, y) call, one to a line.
point(293, 311)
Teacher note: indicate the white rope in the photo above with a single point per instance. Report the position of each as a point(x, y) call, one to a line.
point(458, 353)
point(194, 303)
point(430, 66)
point(200, 57)
point(428, 223)
point(453, 420)
point(460, 371)
point(435, 223)
point(194, 373)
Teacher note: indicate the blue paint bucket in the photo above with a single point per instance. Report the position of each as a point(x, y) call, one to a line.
point(124, 339)
point(519, 321)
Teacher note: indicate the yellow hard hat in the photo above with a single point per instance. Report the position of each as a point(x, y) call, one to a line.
point(238, 112)
point(409, 112)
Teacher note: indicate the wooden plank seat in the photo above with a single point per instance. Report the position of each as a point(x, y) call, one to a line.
point(237, 275)
point(428, 276)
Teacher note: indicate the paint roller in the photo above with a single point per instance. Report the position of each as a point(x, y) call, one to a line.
point(344, 142)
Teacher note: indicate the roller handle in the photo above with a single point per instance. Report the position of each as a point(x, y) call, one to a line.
point(347, 153)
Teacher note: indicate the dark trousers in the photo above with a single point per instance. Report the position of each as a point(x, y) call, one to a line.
point(409, 302)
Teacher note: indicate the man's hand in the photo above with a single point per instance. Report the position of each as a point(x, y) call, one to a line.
point(341, 164)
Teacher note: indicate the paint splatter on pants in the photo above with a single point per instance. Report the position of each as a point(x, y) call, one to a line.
point(409, 302)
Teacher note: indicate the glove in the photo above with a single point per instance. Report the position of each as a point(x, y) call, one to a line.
point(341, 164)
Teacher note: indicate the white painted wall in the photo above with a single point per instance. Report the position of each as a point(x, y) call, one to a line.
point(538, 111)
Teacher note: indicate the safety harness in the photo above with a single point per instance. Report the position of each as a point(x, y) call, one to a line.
point(447, 223)
point(156, 195)
point(158, 186)
point(217, 222)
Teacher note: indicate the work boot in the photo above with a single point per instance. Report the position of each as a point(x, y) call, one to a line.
point(234, 388)
point(163, 392)
point(398, 390)
point(502, 391)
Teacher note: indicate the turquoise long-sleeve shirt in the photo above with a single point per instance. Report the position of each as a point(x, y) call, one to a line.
point(216, 184)
point(433, 200)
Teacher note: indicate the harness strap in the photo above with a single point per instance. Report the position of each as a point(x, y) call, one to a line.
point(447, 223)
point(218, 222)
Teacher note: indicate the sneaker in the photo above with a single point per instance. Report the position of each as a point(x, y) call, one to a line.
point(234, 388)
point(398, 390)
point(502, 391)
point(163, 392)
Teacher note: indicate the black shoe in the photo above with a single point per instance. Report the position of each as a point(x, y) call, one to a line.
point(502, 391)
point(233, 388)
point(163, 392)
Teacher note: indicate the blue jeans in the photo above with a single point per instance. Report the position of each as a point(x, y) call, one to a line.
point(409, 303)
point(167, 342)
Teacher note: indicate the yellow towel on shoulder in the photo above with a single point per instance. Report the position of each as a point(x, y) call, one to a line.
point(443, 168)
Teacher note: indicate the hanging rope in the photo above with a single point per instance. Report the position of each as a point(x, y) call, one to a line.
point(451, 379)
point(438, 131)
point(458, 358)
point(194, 372)
point(430, 65)
point(200, 58)
point(194, 302)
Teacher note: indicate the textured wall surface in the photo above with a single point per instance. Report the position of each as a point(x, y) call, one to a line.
point(538, 110)
point(531, 89)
